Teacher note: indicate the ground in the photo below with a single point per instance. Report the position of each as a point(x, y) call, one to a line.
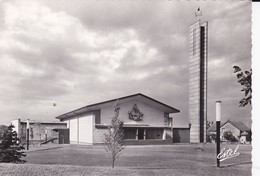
point(179, 160)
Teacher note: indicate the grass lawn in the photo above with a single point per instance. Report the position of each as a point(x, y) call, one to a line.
point(149, 160)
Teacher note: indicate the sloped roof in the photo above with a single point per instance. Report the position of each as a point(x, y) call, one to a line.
point(238, 124)
point(90, 108)
point(212, 128)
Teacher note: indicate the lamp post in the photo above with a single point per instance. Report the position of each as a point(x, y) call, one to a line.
point(27, 133)
point(218, 120)
point(46, 132)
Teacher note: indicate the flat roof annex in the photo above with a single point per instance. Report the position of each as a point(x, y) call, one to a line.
point(143, 98)
point(35, 122)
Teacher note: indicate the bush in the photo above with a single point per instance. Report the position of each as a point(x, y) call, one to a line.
point(228, 135)
point(211, 138)
point(249, 136)
point(10, 148)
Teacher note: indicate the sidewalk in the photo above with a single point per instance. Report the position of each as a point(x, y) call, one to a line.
point(44, 147)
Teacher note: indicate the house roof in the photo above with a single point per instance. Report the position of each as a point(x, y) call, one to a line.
point(212, 128)
point(238, 124)
point(143, 98)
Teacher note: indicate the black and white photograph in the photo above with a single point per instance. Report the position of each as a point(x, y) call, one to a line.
point(126, 87)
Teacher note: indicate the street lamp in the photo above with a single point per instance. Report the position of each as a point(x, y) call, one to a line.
point(218, 120)
point(27, 133)
point(46, 132)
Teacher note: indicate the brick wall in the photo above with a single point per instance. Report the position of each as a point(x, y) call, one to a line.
point(38, 131)
point(98, 135)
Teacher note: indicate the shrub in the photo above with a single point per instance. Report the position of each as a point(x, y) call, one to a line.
point(228, 135)
point(10, 148)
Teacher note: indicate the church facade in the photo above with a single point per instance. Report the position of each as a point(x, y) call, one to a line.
point(146, 121)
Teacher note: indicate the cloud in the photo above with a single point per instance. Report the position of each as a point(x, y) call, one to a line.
point(88, 51)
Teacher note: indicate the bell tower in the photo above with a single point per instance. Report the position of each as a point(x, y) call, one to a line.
point(198, 64)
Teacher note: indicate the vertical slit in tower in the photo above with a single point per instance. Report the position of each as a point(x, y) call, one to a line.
point(202, 59)
point(194, 42)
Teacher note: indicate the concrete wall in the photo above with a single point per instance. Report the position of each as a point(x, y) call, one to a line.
point(81, 129)
point(73, 126)
point(169, 135)
point(86, 129)
point(152, 116)
point(181, 135)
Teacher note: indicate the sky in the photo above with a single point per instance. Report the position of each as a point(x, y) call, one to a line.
point(88, 51)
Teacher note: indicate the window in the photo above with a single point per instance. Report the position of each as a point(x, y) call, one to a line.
point(166, 119)
point(154, 133)
point(130, 133)
point(97, 117)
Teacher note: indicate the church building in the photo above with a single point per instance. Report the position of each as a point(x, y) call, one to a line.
point(146, 121)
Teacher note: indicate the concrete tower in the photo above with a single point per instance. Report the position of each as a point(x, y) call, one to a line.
point(198, 81)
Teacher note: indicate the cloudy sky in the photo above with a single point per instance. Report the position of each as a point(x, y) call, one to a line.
point(75, 54)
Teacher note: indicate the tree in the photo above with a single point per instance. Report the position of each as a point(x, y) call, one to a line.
point(249, 136)
point(2, 129)
point(209, 124)
point(245, 79)
point(228, 135)
point(213, 137)
point(114, 140)
point(10, 148)
point(31, 134)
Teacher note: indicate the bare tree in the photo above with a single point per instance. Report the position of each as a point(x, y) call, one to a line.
point(114, 140)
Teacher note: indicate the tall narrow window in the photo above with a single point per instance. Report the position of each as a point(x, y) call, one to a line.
point(97, 117)
point(166, 119)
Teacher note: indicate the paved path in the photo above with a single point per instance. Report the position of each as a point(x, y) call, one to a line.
point(34, 148)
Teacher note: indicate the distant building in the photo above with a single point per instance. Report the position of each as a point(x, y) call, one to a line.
point(146, 121)
point(239, 130)
point(42, 132)
point(2, 129)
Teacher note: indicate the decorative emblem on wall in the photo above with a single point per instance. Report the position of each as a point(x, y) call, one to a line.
point(135, 114)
